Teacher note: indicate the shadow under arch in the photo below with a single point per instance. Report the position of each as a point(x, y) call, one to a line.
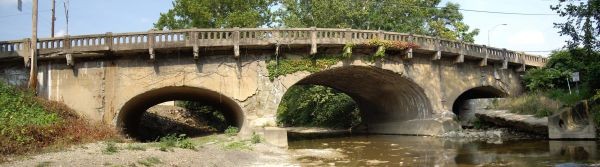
point(475, 93)
point(128, 119)
point(387, 100)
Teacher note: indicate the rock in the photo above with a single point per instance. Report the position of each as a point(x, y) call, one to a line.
point(576, 123)
point(504, 118)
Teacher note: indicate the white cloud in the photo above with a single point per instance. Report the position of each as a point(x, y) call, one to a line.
point(60, 33)
point(527, 37)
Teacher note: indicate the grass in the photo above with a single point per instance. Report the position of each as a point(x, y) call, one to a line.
point(231, 131)
point(30, 124)
point(536, 104)
point(255, 139)
point(150, 161)
point(171, 141)
point(237, 145)
point(110, 148)
point(135, 147)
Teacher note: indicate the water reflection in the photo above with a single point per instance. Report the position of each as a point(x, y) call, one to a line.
point(387, 150)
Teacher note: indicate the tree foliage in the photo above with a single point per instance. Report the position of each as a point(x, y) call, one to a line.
point(312, 105)
point(216, 14)
point(582, 22)
point(559, 68)
point(408, 16)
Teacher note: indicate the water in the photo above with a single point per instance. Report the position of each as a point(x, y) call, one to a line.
point(393, 150)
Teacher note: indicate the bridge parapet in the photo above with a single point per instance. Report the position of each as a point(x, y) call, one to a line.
point(236, 37)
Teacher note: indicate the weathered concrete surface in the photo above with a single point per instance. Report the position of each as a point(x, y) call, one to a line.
point(276, 136)
point(574, 123)
point(397, 96)
point(522, 122)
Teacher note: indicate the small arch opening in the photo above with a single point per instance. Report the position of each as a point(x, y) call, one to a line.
point(464, 106)
point(177, 110)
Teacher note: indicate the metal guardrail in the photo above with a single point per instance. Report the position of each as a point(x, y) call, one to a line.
point(237, 37)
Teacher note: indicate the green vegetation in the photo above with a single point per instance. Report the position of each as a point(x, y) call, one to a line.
point(150, 161)
point(232, 131)
point(581, 23)
point(311, 105)
point(30, 124)
point(216, 14)
point(136, 147)
point(424, 17)
point(408, 16)
point(171, 141)
point(309, 64)
point(212, 115)
point(237, 145)
point(536, 104)
point(110, 148)
point(255, 139)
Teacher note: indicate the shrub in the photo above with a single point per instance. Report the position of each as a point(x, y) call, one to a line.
point(110, 148)
point(536, 104)
point(167, 143)
point(231, 131)
point(255, 139)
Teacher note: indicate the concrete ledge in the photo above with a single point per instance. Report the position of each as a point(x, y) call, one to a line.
point(522, 122)
point(276, 136)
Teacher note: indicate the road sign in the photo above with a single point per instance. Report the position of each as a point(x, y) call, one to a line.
point(575, 76)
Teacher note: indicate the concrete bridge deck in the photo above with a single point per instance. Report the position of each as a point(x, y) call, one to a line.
point(234, 38)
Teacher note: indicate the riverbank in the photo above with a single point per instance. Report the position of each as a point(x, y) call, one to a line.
point(214, 150)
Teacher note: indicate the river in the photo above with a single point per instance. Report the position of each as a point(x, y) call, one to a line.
point(395, 150)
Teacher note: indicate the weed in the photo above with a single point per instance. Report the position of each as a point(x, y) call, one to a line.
point(231, 131)
point(44, 164)
point(136, 147)
point(173, 140)
point(536, 104)
point(150, 161)
point(237, 145)
point(110, 148)
point(255, 139)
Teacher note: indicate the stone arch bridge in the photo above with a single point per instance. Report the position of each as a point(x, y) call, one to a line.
point(114, 78)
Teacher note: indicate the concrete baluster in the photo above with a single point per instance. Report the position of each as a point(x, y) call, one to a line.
point(236, 42)
point(108, 41)
point(483, 61)
point(151, 43)
point(313, 40)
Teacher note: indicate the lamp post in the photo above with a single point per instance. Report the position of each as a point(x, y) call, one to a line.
point(491, 29)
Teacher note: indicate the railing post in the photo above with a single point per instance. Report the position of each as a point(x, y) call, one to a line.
point(26, 52)
point(483, 62)
point(505, 59)
point(108, 41)
point(236, 42)
point(313, 40)
point(380, 35)
point(194, 42)
point(69, 58)
point(438, 52)
point(348, 36)
point(461, 55)
point(151, 42)
point(408, 53)
point(522, 61)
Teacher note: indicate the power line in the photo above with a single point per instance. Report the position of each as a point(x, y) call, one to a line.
point(509, 13)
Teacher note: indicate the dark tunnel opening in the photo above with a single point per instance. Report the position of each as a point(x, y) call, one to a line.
point(386, 100)
point(460, 106)
point(136, 119)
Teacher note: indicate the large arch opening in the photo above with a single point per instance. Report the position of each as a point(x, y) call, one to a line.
point(134, 115)
point(465, 110)
point(387, 101)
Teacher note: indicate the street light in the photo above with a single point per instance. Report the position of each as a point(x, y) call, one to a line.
point(491, 29)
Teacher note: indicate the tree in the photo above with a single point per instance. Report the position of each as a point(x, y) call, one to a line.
point(216, 14)
point(582, 24)
point(409, 16)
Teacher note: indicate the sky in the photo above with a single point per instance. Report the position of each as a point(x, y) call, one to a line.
point(533, 34)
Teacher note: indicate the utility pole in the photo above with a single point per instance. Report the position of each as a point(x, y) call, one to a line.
point(53, 17)
point(33, 72)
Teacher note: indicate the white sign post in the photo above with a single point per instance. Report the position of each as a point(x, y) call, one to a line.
point(575, 77)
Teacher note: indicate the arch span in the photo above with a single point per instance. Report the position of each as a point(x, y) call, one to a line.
point(129, 116)
point(462, 109)
point(387, 100)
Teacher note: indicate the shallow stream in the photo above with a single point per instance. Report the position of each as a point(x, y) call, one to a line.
point(394, 150)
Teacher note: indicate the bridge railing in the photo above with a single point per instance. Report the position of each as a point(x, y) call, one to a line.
point(236, 37)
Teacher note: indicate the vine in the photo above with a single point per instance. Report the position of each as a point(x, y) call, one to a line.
point(348, 50)
point(290, 66)
point(383, 45)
